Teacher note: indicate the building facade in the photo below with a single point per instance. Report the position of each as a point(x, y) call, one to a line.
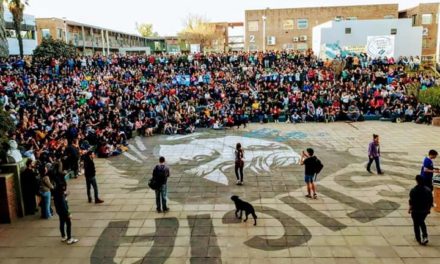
point(426, 16)
point(28, 34)
point(90, 39)
point(278, 29)
point(377, 38)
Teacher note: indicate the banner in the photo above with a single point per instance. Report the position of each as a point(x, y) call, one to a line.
point(380, 46)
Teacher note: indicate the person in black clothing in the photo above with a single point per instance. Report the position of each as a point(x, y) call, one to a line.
point(420, 203)
point(309, 162)
point(90, 174)
point(29, 187)
point(239, 164)
point(161, 173)
point(62, 209)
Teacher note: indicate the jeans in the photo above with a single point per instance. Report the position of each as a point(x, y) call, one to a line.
point(161, 197)
point(419, 225)
point(65, 222)
point(92, 182)
point(376, 160)
point(239, 171)
point(45, 205)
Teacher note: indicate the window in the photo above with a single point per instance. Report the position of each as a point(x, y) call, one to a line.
point(271, 41)
point(389, 17)
point(27, 34)
point(59, 33)
point(393, 31)
point(414, 20)
point(426, 19)
point(339, 18)
point(288, 46)
point(45, 33)
point(288, 24)
point(252, 26)
point(347, 30)
point(351, 18)
point(302, 46)
point(424, 43)
point(10, 33)
point(302, 23)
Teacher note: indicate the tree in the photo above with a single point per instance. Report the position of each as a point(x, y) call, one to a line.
point(6, 126)
point(4, 50)
point(146, 30)
point(51, 48)
point(198, 30)
point(16, 7)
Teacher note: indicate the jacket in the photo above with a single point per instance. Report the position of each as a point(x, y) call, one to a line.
point(420, 199)
point(60, 202)
point(89, 167)
point(373, 150)
point(46, 185)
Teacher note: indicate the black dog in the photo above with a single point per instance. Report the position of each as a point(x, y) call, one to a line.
point(241, 206)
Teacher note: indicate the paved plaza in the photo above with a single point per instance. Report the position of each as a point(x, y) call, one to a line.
point(357, 218)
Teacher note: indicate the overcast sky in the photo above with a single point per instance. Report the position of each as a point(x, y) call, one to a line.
point(167, 15)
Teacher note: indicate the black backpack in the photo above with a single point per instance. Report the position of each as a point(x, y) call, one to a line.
point(158, 175)
point(318, 166)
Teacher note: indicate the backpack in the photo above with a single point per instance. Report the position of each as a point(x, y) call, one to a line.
point(318, 166)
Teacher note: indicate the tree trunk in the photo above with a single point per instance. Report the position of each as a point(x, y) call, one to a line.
point(17, 27)
point(4, 50)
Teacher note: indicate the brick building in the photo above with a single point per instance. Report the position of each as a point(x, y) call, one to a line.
point(427, 16)
point(291, 28)
point(90, 39)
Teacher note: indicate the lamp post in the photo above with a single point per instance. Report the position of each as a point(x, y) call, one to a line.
point(264, 33)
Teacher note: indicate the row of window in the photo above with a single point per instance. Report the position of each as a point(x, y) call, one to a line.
point(25, 34)
point(287, 46)
point(393, 31)
point(288, 24)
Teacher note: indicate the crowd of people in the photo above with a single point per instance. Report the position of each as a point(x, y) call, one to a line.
point(100, 101)
point(70, 105)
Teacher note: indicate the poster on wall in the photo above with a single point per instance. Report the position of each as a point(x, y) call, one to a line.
point(380, 46)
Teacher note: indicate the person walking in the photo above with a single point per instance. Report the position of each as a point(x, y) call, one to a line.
point(374, 154)
point(29, 186)
point(161, 172)
point(45, 191)
point(62, 209)
point(420, 203)
point(90, 175)
point(310, 162)
point(428, 168)
point(239, 164)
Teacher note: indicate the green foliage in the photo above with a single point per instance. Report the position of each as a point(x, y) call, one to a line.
point(146, 30)
point(52, 48)
point(430, 96)
point(6, 125)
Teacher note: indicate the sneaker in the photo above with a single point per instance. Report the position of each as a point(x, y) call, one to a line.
point(158, 210)
point(241, 183)
point(166, 209)
point(72, 241)
point(424, 241)
point(90, 200)
point(98, 201)
point(238, 182)
point(63, 239)
point(369, 171)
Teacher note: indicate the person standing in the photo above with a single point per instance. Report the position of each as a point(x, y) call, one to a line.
point(239, 163)
point(62, 209)
point(374, 154)
point(90, 175)
point(29, 186)
point(428, 169)
point(161, 173)
point(420, 203)
point(309, 161)
point(45, 191)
